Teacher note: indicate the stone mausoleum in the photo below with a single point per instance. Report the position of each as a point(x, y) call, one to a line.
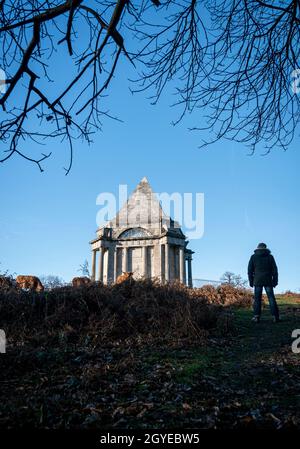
point(143, 240)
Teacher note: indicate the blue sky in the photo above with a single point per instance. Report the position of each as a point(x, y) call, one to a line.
point(47, 219)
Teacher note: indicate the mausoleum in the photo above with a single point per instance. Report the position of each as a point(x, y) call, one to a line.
point(143, 240)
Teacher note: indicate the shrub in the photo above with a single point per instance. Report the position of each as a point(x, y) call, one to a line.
point(290, 294)
point(226, 295)
point(142, 312)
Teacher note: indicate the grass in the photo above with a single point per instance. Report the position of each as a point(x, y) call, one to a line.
point(250, 345)
point(256, 366)
point(248, 377)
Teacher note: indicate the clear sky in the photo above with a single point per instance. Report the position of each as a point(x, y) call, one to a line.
point(47, 219)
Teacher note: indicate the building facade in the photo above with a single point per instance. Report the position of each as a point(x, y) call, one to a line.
point(143, 240)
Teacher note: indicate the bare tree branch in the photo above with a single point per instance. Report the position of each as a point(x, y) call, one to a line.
point(230, 59)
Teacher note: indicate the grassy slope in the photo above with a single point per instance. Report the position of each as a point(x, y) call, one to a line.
point(249, 379)
point(253, 344)
point(254, 376)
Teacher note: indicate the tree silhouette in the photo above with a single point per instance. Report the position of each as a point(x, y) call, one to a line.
point(51, 281)
point(84, 269)
point(233, 279)
point(232, 59)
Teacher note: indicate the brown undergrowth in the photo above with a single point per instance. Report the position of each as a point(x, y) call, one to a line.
point(133, 312)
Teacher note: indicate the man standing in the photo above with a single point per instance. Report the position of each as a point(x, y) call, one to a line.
point(263, 273)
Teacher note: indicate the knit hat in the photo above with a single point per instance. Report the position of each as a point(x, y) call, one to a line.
point(261, 246)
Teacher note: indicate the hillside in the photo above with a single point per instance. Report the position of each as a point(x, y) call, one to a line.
point(165, 357)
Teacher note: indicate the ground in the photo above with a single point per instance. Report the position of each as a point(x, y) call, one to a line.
point(248, 379)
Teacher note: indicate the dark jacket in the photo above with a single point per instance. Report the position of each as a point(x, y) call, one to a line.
point(262, 269)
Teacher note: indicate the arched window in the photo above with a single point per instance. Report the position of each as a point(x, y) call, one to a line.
point(134, 233)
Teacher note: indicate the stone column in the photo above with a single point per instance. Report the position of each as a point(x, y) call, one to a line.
point(190, 277)
point(100, 269)
point(125, 259)
point(106, 266)
point(167, 266)
point(145, 264)
point(110, 264)
point(181, 264)
point(115, 264)
point(94, 265)
point(160, 263)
